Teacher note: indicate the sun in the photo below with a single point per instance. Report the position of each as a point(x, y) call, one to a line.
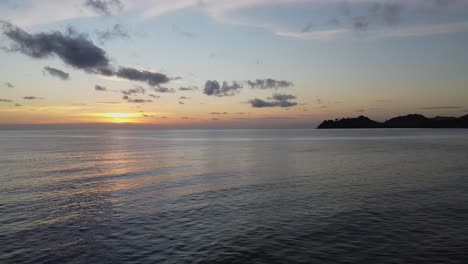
point(119, 117)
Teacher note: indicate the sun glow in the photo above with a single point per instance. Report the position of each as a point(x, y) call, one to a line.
point(120, 117)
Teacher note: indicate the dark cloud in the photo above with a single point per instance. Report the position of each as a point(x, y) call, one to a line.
point(138, 101)
point(161, 89)
point(282, 97)
point(277, 100)
point(116, 32)
point(154, 96)
point(152, 78)
point(441, 107)
point(9, 85)
point(18, 105)
point(181, 102)
point(75, 50)
point(5, 100)
point(32, 98)
point(105, 7)
point(188, 88)
point(226, 89)
point(182, 32)
point(269, 84)
point(57, 73)
point(218, 113)
point(100, 88)
point(184, 98)
point(360, 23)
point(136, 90)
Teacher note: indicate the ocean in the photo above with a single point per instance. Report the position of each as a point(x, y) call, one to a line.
point(234, 196)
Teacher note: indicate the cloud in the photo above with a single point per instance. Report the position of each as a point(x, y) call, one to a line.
point(282, 97)
point(180, 102)
point(136, 90)
point(154, 96)
point(226, 89)
point(161, 89)
point(277, 100)
point(269, 84)
point(184, 98)
point(9, 85)
point(152, 78)
point(441, 107)
point(32, 98)
point(105, 7)
point(218, 113)
point(118, 31)
point(57, 73)
point(188, 88)
point(100, 88)
point(5, 100)
point(138, 101)
point(74, 49)
point(77, 51)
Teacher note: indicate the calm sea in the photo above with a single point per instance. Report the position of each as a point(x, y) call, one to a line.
point(234, 196)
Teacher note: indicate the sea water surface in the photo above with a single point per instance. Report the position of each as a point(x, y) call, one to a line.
point(234, 196)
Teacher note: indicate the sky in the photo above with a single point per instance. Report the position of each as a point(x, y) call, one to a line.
point(230, 64)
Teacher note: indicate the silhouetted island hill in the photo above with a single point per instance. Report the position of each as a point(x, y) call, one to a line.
point(408, 121)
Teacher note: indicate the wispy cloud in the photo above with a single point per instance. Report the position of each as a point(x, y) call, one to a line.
point(441, 107)
point(32, 98)
point(100, 88)
point(105, 7)
point(9, 85)
point(57, 73)
point(118, 31)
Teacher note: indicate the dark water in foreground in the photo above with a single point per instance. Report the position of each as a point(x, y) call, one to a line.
point(247, 196)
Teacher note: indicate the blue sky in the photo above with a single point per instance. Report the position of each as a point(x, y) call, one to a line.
point(338, 58)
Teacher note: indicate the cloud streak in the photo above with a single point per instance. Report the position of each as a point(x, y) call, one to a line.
point(100, 88)
point(57, 73)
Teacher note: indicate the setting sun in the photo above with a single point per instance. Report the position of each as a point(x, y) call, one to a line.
point(119, 117)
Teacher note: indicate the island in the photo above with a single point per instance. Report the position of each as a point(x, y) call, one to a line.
point(408, 121)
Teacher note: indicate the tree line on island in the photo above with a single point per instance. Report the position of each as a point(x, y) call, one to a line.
point(408, 121)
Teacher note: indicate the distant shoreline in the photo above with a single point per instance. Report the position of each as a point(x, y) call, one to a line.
point(408, 121)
